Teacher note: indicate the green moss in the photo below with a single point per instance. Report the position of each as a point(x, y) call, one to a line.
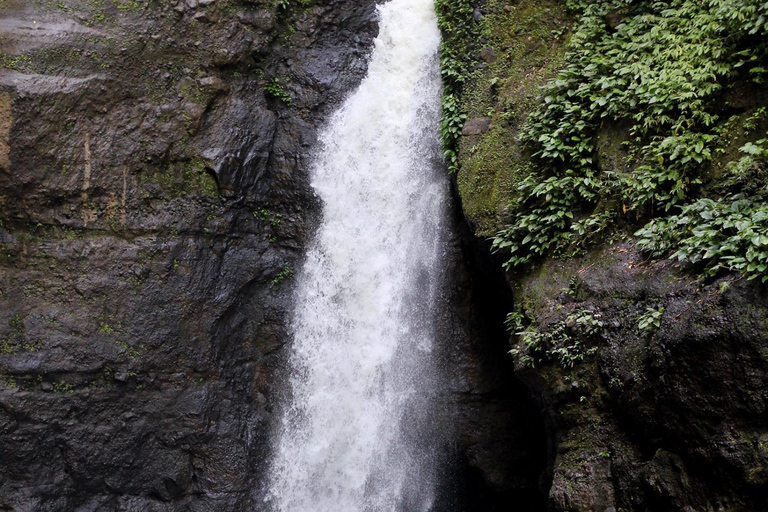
point(191, 91)
point(182, 178)
point(15, 339)
point(523, 48)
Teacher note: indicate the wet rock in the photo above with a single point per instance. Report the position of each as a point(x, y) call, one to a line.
point(488, 55)
point(476, 126)
point(150, 195)
point(671, 417)
point(136, 281)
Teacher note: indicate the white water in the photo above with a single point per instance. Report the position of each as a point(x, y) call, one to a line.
point(358, 434)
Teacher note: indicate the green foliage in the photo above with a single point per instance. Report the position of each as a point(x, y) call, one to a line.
point(666, 178)
point(282, 275)
point(129, 5)
point(564, 342)
point(181, 178)
point(106, 328)
point(274, 89)
point(730, 233)
point(545, 226)
point(266, 215)
point(15, 339)
point(63, 387)
point(133, 352)
point(15, 62)
point(284, 5)
point(9, 382)
point(726, 234)
point(750, 16)
point(458, 29)
point(649, 321)
point(660, 71)
point(15, 336)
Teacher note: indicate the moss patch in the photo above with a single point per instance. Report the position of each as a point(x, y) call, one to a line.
point(183, 178)
point(524, 47)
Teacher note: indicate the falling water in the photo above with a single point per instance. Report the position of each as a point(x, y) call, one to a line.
point(359, 432)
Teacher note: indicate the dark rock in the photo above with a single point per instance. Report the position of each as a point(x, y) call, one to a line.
point(476, 126)
point(129, 171)
point(488, 55)
point(671, 418)
point(615, 18)
point(141, 170)
point(612, 154)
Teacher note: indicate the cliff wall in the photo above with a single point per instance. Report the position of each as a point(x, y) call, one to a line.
point(638, 317)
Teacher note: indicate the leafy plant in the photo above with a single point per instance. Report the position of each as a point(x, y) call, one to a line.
point(15, 339)
point(660, 71)
point(728, 234)
point(274, 89)
point(266, 215)
point(63, 387)
point(282, 275)
point(563, 342)
point(455, 21)
point(284, 5)
point(650, 320)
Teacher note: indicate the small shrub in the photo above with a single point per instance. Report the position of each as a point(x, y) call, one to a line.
point(649, 321)
point(274, 89)
point(727, 234)
point(456, 23)
point(661, 71)
point(565, 342)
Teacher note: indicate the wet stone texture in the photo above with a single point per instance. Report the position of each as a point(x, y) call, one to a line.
point(663, 416)
point(154, 204)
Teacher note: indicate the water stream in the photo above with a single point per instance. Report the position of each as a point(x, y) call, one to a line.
point(360, 431)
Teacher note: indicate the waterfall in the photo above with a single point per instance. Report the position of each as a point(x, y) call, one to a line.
point(359, 430)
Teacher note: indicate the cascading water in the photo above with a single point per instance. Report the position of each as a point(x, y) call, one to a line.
point(359, 433)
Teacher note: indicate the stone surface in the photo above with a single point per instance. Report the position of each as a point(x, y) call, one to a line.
point(670, 418)
point(150, 193)
point(476, 126)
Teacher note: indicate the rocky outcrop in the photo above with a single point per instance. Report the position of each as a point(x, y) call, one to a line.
point(662, 415)
point(648, 375)
point(502, 448)
point(154, 202)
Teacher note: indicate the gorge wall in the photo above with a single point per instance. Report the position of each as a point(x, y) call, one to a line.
point(154, 203)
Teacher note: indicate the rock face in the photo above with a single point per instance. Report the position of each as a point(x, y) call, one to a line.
point(502, 448)
point(649, 377)
point(664, 416)
point(154, 203)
